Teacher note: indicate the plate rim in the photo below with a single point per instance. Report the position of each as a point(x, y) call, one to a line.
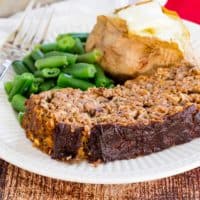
point(8, 154)
point(91, 179)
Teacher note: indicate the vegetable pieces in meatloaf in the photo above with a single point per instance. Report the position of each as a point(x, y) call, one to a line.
point(145, 115)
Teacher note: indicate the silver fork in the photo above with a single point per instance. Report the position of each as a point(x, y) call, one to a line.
point(31, 30)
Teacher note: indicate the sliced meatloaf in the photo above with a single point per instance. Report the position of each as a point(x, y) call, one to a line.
point(145, 115)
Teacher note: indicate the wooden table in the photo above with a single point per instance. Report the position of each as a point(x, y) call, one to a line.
point(17, 184)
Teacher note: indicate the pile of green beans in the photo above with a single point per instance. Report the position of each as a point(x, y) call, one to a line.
point(60, 64)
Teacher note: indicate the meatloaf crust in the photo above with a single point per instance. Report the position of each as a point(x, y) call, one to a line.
point(110, 142)
point(145, 115)
point(64, 137)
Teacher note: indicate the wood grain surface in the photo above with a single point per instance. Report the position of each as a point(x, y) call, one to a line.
point(17, 184)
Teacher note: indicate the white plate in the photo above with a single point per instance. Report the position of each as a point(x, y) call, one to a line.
point(16, 149)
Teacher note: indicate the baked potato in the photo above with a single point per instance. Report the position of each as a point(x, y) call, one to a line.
point(125, 53)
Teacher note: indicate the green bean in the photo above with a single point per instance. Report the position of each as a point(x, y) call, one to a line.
point(49, 47)
point(34, 88)
point(78, 48)
point(65, 80)
point(111, 85)
point(38, 80)
point(71, 58)
point(38, 46)
point(100, 79)
point(8, 86)
point(29, 63)
point(19, 67)
point(37, 54)
point(51, 62)
point(20, 117)
point(47, 73)
point(47, 85)
point(70, 44)
point(21, 84)
point(82, 36)
point(81, 70)
point(66, 43)
point(90, 57)
point(17, 84)
point(54, 53)
point(18, 103)
point(29, 80)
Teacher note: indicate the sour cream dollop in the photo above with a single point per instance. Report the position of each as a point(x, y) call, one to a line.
point(150, 19)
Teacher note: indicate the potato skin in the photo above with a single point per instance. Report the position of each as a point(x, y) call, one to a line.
point(125, 54)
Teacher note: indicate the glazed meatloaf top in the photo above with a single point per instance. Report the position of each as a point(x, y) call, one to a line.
point(143, 100)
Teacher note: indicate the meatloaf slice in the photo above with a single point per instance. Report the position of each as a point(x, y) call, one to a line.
point(145, 115)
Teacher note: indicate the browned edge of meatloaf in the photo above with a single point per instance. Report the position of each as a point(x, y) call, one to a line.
point(66, 142)
point(109, 142)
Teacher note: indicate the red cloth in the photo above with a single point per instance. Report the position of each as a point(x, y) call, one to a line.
point(187, 9)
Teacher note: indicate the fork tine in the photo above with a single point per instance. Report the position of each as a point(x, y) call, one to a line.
point(35, 31)
point(20, 31)
point(31, 29)
point(23, 31)
point(26, 34)
point(14, 34)
point(46, 29)
point(40, 35)
point(33, 35)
